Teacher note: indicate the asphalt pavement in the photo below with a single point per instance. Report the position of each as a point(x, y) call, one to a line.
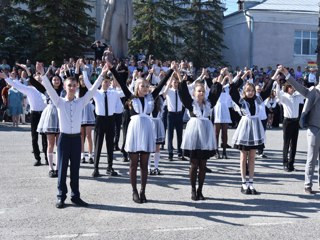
point(281, 211)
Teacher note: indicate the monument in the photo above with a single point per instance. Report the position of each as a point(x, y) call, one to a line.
point(117, 25)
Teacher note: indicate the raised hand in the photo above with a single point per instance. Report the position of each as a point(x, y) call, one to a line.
point(105, 69)
point(39, 68)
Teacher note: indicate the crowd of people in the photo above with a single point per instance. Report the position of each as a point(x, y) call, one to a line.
point(148, 99)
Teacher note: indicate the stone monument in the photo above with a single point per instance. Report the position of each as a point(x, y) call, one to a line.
point(117, 25)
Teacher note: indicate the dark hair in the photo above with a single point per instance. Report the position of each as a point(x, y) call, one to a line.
point(286, 86)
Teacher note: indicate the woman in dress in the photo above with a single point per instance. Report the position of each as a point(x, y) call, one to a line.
point(140, 140)
point(249, 135)
point(199, 140)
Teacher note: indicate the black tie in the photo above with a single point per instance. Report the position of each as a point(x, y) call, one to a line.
point(176, 101)
point(106, 103)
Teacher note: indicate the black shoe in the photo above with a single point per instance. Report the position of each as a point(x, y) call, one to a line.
point(60, 203)
point(193, 195)
point(170, 158)
point(156, 171)
point(245, 191)
point(52, 174)
point(135, 196)
point(208, 170)
point(308, 190)
point(83, 160)
point(95, 173)
point(125, 159)
point(111, 172)
point(56, 173)
point(254, 191)
point(286, 169)
point(143, 198)
point(37, 163)
point(224, 156)
point(116, 148)
point(91, 160)
point(78, 201)
point(151, 172)
point(200, 196)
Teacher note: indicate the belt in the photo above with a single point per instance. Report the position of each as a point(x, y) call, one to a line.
point(72, 135)
point(36, 111)
point(175, 112)
point(291, 119)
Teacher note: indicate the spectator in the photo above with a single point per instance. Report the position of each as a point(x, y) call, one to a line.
point(98, 48)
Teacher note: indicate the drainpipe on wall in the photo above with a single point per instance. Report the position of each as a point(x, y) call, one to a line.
point(250, 38)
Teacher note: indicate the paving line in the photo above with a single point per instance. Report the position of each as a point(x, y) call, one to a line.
point(270, 224)
point(178, 229)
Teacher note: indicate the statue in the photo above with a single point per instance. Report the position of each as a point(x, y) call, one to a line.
point(117, 24)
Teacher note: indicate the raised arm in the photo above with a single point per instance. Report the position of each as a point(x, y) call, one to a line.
point(121, 82)
point(163, 81)
point(214, 93)
point(297, 86)
point(266, 91)
point(91, 91)
point(46, 83)
point(184, 94)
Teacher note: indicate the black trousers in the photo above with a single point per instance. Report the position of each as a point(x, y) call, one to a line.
point(175, 121)
point(264, 124)
point(290, 138)
point(104, 128)
point(125, 124)
point(118, 122)
point(35, 118)
point(69, 148)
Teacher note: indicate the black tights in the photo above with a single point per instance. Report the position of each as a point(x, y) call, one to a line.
point(134, 160)
point(195, 164)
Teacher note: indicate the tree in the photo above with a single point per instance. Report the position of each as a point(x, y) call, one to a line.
point(201, 23)
point(16, 34)
point(62, 28)
point(153, 30)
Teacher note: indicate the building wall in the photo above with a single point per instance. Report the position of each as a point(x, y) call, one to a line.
point(273, 38)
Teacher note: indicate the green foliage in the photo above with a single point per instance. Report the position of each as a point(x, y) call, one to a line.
point(179, 29)
point(59, 28)
point(16, 35)
point(153, 29)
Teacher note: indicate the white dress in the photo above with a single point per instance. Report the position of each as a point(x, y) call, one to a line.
point(49, 121)
point(199, 139)
point(140, 133)
point(221, 109)
point(250, 132)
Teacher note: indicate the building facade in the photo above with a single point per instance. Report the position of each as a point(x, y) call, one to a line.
point(265, 33)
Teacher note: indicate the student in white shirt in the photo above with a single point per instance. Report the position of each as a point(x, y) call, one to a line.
point(290, 100)
point(69, 143)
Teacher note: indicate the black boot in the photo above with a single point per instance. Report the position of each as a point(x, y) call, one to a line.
point(193, 194)
point(143, 198)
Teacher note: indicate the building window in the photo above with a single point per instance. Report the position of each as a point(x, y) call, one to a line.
point(305, 42)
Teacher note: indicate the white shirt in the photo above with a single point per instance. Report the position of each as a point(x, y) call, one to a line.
point(99, 96)
point(312, 78)
point(70, 112)
point(171, 100)
point(36, 99)
point(289, 102)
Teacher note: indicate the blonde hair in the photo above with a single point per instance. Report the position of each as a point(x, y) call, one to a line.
point(136, 85)
point(246, 86)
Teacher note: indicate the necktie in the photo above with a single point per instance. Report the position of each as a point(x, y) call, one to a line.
point(106, 103)
point(176, 101)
